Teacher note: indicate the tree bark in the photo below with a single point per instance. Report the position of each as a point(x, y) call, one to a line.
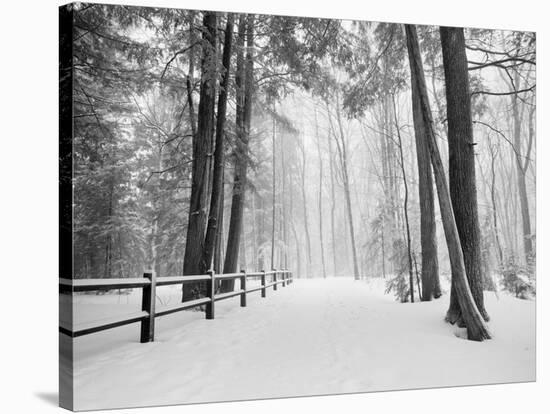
point(218, 249)
point(431, 287)
point(245, 68)
point(219, 153)
point(473, 319)
point(197, 206)
point(462, 176)
point(189, 81)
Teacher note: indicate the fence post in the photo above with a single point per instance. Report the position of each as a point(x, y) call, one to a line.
point(263, 284)
point(243, 288)
point(210, 291)
point(283, 273)
point(148, 295)
point(274, 279)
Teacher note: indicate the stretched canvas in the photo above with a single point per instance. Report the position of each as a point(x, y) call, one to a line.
point(260, 206)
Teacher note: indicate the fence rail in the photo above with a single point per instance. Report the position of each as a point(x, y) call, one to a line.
point(150, 282)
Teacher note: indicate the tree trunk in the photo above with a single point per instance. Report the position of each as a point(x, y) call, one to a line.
point(405, 202)
point(254, 234)
point(242, 248)
point(283, 201)
point(218, 249)
point(332, 204)
point(261, 230)
point(245, 68)
point(189, 81)
point(430, 267)
point(197, 205)
point(472, 317)
point(158, 206)
point(107, 271)
point(342, 150)
point(304, 210)
point(324, 267)
point(217, 177)
point(462, 177)
point(494, 208)
point(273, 194)
point(293, 227)
point(522, 187)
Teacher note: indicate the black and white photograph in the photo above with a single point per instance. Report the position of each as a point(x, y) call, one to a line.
point(257, 206)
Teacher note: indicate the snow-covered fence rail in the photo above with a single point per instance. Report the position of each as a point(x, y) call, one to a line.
point(149, 284)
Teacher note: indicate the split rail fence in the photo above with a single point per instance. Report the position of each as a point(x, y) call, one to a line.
point(149, 284)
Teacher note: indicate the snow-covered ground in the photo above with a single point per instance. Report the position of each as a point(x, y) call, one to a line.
point(313, 337)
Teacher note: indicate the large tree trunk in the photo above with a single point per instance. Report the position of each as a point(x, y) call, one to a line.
point(472, 317)
point(462, 176)
point(190, 81)
point(430, 267)
point(201, 141)
point(217, 178)
point(244, 112)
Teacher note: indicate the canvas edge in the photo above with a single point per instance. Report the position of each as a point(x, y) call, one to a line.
point(66, 355)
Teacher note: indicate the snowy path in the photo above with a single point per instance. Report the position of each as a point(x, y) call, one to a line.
point(313, 337)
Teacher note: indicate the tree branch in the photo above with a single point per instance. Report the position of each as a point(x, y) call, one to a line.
point(504, 93)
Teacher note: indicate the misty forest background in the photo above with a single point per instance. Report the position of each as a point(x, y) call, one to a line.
point(254, 142)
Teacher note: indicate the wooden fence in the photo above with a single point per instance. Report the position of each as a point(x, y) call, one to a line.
point(149, 283)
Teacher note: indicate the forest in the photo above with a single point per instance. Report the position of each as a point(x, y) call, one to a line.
point(212, 140)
